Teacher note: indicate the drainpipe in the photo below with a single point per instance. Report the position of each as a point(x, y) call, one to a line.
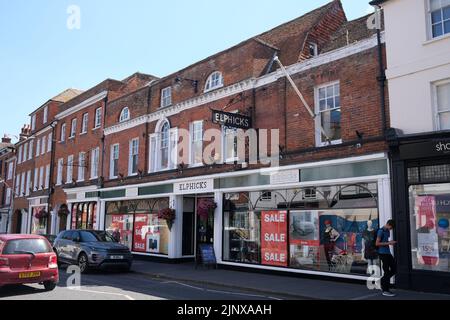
point(382, 75)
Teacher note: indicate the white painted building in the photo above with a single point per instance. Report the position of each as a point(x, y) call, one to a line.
point(418, 64)
point(417, 34)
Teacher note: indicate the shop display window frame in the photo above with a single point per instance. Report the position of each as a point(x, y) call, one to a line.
point(289, 209)
point(134, 206)
point(411, 182)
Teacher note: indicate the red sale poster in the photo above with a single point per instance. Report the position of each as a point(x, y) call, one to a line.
point(274, 238)
point(140, 233)
point(427, 239)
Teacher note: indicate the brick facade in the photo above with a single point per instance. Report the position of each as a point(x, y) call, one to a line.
point(258, 90)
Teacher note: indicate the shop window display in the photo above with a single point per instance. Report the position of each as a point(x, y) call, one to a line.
point(430, 232)
point(334, 231)
point(136, 225)
point(84, 215)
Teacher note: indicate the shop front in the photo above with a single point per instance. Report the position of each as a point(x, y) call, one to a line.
point(421, 185)
point(318, 218)
point(39, 217)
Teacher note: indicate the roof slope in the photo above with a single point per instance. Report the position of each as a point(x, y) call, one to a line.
point(67, 95)
point(350, 33)
point(290, 36)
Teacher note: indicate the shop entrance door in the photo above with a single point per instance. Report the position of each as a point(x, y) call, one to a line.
point(205, 220)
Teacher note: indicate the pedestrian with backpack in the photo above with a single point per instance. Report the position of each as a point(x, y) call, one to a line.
point(389, 265)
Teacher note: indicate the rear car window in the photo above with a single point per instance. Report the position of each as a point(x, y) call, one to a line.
point(24, 246)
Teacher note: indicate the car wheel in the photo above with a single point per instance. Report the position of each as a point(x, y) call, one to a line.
point(49, 285)
point(83, 263)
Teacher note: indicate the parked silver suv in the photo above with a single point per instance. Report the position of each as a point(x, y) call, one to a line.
point(92, 249)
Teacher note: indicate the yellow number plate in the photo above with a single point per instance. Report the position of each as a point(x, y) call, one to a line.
point(28, 275)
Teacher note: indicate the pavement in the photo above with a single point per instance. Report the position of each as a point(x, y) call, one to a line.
point(271, 285)
point(117, 286)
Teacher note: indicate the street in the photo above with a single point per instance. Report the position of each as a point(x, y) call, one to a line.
point(111, 285)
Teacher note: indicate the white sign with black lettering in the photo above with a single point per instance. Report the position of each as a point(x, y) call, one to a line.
point(191, 187)
point(283, 177)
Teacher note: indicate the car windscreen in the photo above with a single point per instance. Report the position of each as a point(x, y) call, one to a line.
point(96, 237)
point(26, 246)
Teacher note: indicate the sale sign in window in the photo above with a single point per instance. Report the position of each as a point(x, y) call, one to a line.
point(274, 238)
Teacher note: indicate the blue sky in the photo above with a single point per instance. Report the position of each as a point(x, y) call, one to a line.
point(40, 56)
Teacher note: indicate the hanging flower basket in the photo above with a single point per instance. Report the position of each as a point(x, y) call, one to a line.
point(42, 214)
point(206, 207)
point(169, 215)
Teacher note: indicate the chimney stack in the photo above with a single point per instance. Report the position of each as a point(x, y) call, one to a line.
point(26, 130)
point(6, 139)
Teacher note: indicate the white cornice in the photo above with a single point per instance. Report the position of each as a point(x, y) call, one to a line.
point(248, 84)
point(82, 105)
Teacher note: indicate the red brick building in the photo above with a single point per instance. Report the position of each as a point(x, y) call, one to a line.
point(7, 167)
point(125, 151)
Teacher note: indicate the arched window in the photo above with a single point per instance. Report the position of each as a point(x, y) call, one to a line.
point(215, 80)
point(163, 145)
point(124, 115)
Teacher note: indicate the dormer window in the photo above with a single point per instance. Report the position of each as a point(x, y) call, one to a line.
point(313, 49)
point(215, 81)
point(124, 115)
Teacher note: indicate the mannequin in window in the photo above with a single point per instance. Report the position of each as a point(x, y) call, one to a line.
point(369, 249)
point(330, 237)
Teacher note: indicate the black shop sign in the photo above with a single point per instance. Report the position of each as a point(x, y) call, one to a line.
point(232, 120)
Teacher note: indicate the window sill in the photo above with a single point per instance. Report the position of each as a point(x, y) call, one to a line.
point(196, 165)
point(326, 144)
point(162, 107)
point(72, 138)
point(437, 39)
point(94, 178)
point(96, 128)
point(83, 133)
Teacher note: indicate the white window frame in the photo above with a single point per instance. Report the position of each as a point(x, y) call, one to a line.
point(43, 145)
point(17, 186)
point(33, 122)
point(318, 122)
point(98, 118)
point(166, 97)
point(133, 152)
point(192, 140)
point(63, 132)
point(214, 81)
point(22, 184)
point(73, 128)
point(25, 152)
point(114, 156)
point(59, 175)
point(8, 196)
point(85, 123)
point(10, 170)
point(437, 113)
point(125, 114)
point(81, 166)
point(31, 150)
point(38, 147)
point(50, 142)
point(36, 179)
point(69, 173)
point(227, 158)
point(95, 158)
point(47, 177)
point(45, 116)
point(19, 156)
point(430, 23)
point(41, 178)
point(28, 184)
